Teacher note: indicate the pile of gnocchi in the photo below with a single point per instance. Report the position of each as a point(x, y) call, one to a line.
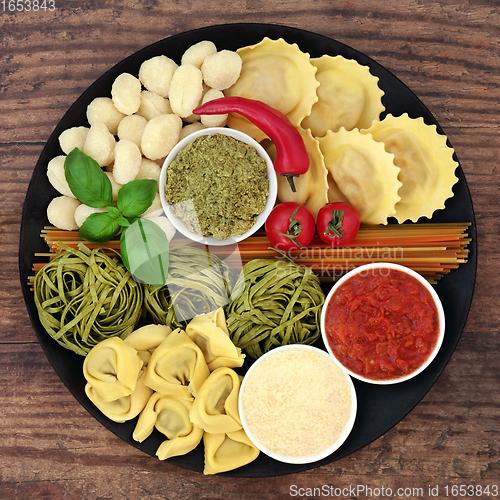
point(131, 132)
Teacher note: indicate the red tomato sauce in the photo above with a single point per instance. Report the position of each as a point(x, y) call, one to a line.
point(382, 324)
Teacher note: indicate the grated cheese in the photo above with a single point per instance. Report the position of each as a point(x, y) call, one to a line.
point(296, 402)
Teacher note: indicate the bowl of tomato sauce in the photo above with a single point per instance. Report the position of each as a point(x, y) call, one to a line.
point(383, 323)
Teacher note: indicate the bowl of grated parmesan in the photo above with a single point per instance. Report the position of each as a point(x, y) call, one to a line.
point(296, 405)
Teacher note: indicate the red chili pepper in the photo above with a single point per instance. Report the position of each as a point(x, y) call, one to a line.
point(292, 159)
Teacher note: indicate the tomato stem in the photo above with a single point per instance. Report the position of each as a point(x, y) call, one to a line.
point(294, 228)
point(335, 224)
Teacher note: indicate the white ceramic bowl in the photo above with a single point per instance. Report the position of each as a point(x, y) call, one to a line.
point(303, 458)
point(365, 269)
point(271, 175)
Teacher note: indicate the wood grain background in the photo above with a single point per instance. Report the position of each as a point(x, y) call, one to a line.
point(447, 52)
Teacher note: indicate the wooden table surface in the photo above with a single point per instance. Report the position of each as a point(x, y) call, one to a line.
point(447, 52)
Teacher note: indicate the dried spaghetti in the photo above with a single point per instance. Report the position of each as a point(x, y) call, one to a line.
point(431, 249)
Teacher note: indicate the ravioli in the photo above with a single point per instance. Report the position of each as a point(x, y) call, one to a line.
point(426, 163)
point(364, 173)
point(279, 74)
point(348, 96)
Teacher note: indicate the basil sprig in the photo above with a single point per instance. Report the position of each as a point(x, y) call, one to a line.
point(144, 250)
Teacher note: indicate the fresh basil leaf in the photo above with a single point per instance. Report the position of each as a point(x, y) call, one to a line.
point(99, 227)
point(135, 197)
point(113, 212)
point(123, 221)
point(87, 180)
point(145, 251)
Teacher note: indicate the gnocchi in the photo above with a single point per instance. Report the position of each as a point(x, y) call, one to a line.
point(198, 52)
point(191, 128)
point(61, 212)
point(114, 185)
point(131, 128)
point(185, 90)
point(83, 211)
point(153, 105)
point(213, 120)
point(102, 109)
point(156, 74)
point(127, 161)
point(160, 135)
point(148, 169)
point(221, 70)
point(126, 93)
point(57, 177)
point(100, 144)
point(73, 138)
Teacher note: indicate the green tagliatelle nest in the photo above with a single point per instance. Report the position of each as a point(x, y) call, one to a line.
point(280, 305)
point(84, 296)
point(198, 282)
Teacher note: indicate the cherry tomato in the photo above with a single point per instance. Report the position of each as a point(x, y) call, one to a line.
point(338, 223)
point(290, 226)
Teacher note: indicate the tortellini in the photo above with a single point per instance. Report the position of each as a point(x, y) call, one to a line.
point(162, 376)
point(115, 379)
point(228, 451)
point(279, 74)
point(147, 338)
point(170, 416)
point(215, 408)
point(125, 408)
point(364, 172)
point(209, 332)
point(349, 96)
point(112, 368)
point(177, 367)
point(426, 163)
